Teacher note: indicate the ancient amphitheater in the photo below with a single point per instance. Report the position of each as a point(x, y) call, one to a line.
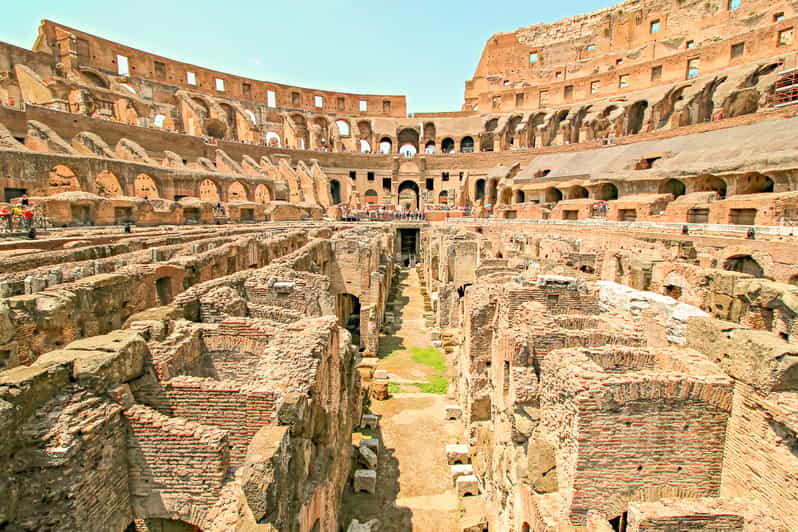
point(246, 306)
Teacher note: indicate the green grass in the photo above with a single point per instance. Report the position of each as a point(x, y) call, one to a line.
point(437, 384)
point(393, 387)
point(429, 356)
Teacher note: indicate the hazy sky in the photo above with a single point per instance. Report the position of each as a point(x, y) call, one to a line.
point(423, 50)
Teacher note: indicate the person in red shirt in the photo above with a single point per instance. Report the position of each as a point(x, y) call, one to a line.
point(5, 218)
point(27, 217)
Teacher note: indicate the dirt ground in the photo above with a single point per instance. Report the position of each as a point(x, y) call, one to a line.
point(414, 489)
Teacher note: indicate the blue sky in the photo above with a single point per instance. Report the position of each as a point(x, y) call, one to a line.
point(424, 50)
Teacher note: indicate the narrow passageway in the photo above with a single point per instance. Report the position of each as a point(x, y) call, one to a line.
point(414, 488)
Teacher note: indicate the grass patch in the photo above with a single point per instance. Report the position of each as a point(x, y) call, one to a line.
point(437, 384)
point(429, 356)
point(393, 387)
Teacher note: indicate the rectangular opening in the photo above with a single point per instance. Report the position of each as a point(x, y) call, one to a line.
point(778, 17)
point(122, 65)
point(160, 70)
point(81, 214)
point(506, 376)
point(656, 73)
point(123, 215)
point(246, 89)
point(444, 176)
point(533, 58)
point(219, 84)
point(734, 4)
point(568, 93)
point(552, 299)
point(11, 193)
point(785, 37)
point(430, 184)
point(623, 81)
point(742, 216)
point(295, 98)
point(543, 99)
point(271, 99)
point(689, 44)
point(363, 105)
point(163, 289)
point(737, 50)
point(519, 99)
point(386, 106)
point(318, 101)
point(178, 197)
point(654, 28)
point(340, 103)
point(192, 214)
point(595, 86)
point(191, 78)
point(698, 216)
point(352, 174)
point(570, 215)
point(386, 183)
point(692, 68)
point(370, 176)
point(247, 215)
point(627, 215)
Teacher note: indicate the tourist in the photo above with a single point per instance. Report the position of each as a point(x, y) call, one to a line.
point(25, 202)
point(5, 218)
point(27, 218)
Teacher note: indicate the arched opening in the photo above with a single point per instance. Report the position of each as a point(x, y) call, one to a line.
point(618, 523)
point(552, 195)
point(794, 280)
point(343, 128)
point(408, 150)
point(430, 147)
point(579, 192)
point(348, 312)
point(215, 128)
point(158, 120)
point(507, 196)
point(607, 192)
point(409, 195)
point(408, 137)
point(443, 197)
point(62, 179)
point(237, 192)
point(251, 117)
point(208, 191)
point(711, 183)
point(107, 185)
point(230, 119)
point(447, 145)
point(479, 190)
point(301, 134)
point(754, 184)
point(164, 525)
point(371, 197)
point(335, 191)
point(95, 79)
point(272, 139)
point(262, 194)
point(520, 197)
point(386, 146)
point(673, 186)
point(365, 147)
point(525, 527)
point(744, 264)
point(467, 145)
point(321, 132)
point(145, 187)
point(635, 116)
point(486, 138)
point(429, 131)
point(510, 139)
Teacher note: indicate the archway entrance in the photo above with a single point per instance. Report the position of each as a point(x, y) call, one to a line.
point(409, 195)
point(348, 310)
point(744, 264)
point(335, 191)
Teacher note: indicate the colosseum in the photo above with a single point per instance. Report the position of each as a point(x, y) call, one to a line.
point(229, 304)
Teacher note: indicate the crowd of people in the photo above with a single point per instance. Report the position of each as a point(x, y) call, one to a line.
point(19, 216)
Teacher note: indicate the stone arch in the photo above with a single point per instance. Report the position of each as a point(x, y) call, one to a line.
point(215, 128)
point(443, 197)
point(62, 179)
point(635, 117)
point(552, 195)
point(408, 137)
point(467, 145)
point(511, 134)
point(429, 131)
point(409, 194)
point(262, 194)
point(146, 187)
point(754, 183)
point(506, 196)
point(607, 192)
point(321, 131)
point(672, 186)
point(386, 145)
point(479, 189)
point(371, 197)
point(711, 183)
point(209, 191)
point(95, 78)
point(107, 185)
point(744, 264)
point(237, 192)
point(675, 285)
point(365, 147)
point(520, 196)
point(447, 145)
point(272, 139)
point(429, 147)
point(578, 192)
point(343, 128)
point(230, 120)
